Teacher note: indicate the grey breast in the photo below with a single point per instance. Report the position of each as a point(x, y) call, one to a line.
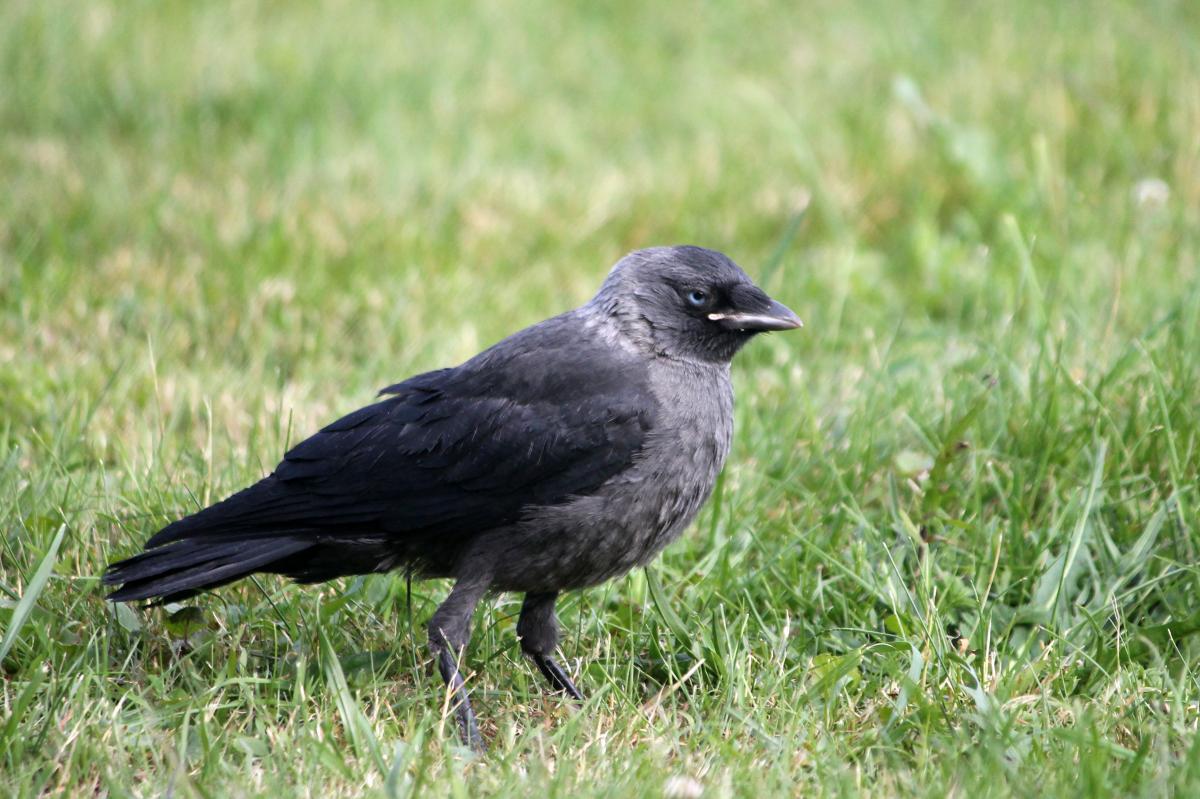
point(697, 412)
point(591, 539)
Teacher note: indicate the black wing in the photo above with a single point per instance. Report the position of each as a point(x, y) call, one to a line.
point(539, 418)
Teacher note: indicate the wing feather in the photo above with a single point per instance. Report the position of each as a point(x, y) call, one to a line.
point(533, 421)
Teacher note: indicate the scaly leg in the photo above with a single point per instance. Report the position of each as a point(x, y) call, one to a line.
point(449, 632)
point(538, 631)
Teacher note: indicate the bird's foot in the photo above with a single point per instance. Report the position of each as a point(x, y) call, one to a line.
point(556, 676)
point(468, 728)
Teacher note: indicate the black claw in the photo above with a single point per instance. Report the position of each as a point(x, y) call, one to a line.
point(468, 728)
point(556, 676)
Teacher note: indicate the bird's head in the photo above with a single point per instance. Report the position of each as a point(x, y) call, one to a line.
point(689, 302)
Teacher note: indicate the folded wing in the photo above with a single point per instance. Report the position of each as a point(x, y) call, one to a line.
point(445, 456)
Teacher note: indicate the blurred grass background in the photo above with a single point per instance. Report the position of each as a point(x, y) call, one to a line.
point(954, 551)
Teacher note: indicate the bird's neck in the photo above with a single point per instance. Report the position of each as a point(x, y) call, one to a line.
point(620, 322)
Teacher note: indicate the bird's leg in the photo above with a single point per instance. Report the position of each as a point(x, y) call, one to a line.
point(537, 630)
point(449, 632)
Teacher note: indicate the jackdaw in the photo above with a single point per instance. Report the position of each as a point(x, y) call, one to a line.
point(565, 455)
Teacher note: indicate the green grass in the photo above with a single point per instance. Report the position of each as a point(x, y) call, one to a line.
point(954, 551)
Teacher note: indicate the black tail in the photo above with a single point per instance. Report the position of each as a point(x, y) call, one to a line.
point(186, 568)
point(272, 527)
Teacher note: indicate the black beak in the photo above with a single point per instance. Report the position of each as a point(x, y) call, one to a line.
point(776, 316)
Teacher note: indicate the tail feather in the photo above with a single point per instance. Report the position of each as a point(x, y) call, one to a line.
point(272, 508)
point(187, 567)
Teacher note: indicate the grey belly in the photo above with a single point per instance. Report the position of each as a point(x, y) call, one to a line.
point(592, 539)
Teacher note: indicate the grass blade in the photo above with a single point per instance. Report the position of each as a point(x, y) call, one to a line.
point(32, 591)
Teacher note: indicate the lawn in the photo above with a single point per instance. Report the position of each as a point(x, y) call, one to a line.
point(954, 551)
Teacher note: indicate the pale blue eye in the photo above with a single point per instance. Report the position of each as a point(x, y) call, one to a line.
point(697, 298)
